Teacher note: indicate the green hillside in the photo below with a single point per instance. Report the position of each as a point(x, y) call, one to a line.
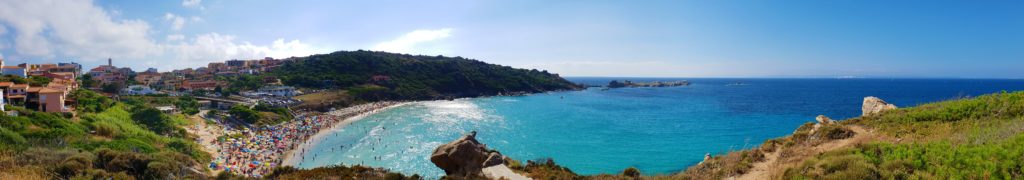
point(402, 76)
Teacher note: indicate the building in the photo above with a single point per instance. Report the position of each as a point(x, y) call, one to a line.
point(236, 63)
point(195, 85)
point(14, 70)
point(109, 74)
point(56, 75)
point(282, 91)
point(46, 99)
point(138, 90)
point(14, 93)
point(217, 66)
point(148, 78)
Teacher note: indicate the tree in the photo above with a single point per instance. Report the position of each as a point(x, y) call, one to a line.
point(87, 81)
point(219, 90)
point(187, 105)
point(243, 113)
point(89, 101)
point(154, 120)
point(112, 87)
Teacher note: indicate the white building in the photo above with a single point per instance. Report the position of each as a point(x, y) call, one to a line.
point(283, 91)
point(138, 90)
point(12, 70)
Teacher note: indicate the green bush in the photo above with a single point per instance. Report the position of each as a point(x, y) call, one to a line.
point(631, 172)
point(11, 140)
point(244, 113)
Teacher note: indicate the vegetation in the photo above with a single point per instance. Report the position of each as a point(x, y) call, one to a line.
point(107, 140)
point(245, 114)
point(373, 76)
point(90, 102)
point(977, 138)
point(31, 81)
point(324, 100)
point(187, 105)
point(260, 114)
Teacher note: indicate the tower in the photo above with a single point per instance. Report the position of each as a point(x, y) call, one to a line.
point(110, 62)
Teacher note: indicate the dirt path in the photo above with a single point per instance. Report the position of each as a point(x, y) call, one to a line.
point(207, 134)
point(764, 169)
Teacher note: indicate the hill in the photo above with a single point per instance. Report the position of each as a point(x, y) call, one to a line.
point(370, 75)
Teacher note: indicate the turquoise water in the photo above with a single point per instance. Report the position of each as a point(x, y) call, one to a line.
point(658, 130)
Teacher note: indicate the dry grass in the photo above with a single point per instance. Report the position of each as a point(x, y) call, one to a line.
point(11, 169)
point(324, 100)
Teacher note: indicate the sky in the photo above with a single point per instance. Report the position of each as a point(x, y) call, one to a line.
point(741, 38)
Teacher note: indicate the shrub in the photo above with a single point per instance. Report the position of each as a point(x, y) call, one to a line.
point(11, 140)
point(244, 113)
point(631, 172)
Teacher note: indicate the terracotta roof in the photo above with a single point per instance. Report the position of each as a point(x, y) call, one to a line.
point(12, 67)
point(35, 89)
point(6, 84)
point(19, 85)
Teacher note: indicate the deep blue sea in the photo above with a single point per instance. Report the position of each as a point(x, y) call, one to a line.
point(658, 130)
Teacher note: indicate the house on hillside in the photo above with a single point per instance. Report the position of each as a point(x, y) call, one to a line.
point(46, 99)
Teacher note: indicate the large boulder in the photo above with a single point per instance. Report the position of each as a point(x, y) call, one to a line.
point(874, 105)
point(465, 157)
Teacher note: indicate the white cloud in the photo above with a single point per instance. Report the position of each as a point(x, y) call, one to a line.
point(411, 42)
point(217, 47)
point(175, 37)
point(46, 29)
point(177, 22)
point(196, 19)
point(75, 28)
point(192, 3)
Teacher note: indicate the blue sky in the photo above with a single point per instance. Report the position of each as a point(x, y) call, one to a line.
point(965, 39)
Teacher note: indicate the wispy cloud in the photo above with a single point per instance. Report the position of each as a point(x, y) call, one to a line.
point(177, 22)
point(192, 4)
point(412, 42)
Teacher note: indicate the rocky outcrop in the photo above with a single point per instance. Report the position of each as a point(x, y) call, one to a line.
point(822, 119)
point(874, 105)
point(465, 157)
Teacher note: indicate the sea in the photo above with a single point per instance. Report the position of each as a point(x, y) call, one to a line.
point(659, 130)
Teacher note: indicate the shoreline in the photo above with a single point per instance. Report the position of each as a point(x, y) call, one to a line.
point(290, 156)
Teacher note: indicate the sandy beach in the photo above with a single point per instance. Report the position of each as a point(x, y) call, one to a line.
point(351, 114)
point(262, 149)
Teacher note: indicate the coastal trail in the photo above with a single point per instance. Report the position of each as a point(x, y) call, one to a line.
point(772, 165)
